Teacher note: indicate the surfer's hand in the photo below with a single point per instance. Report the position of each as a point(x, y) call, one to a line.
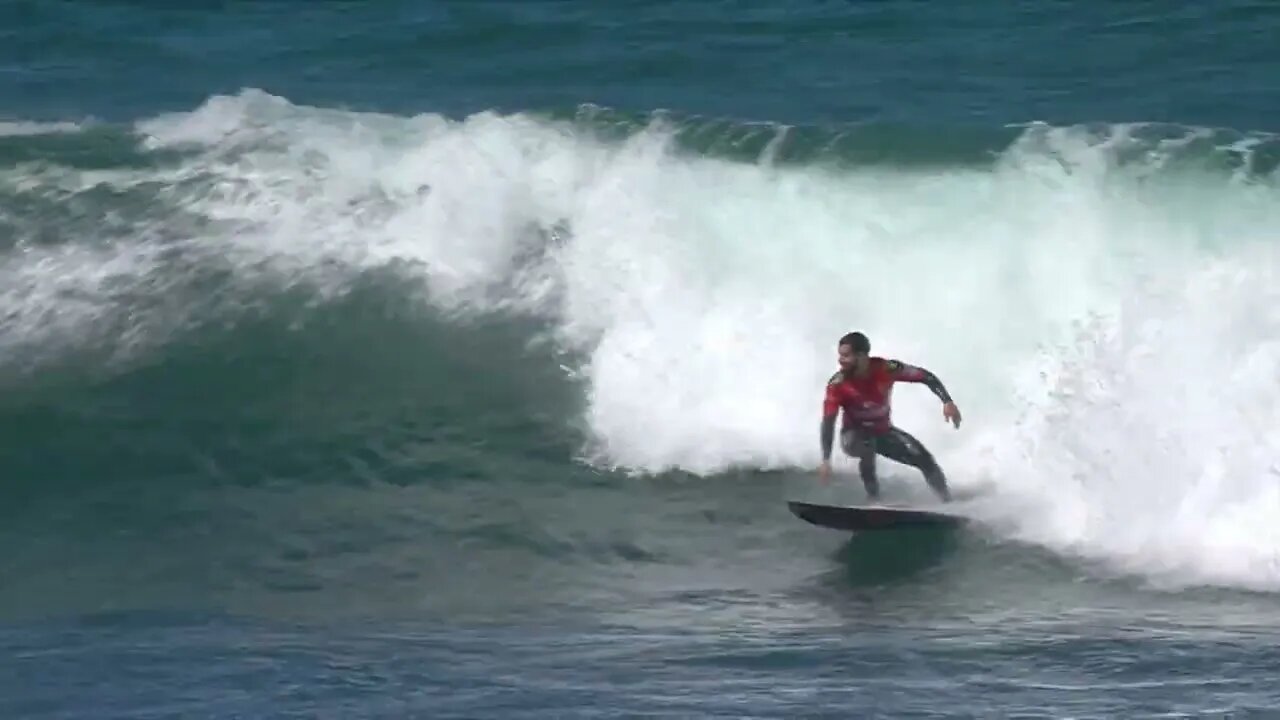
point(952, 413)
point(824, 471)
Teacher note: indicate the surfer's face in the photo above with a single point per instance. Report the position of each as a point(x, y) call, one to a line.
point(851, 361)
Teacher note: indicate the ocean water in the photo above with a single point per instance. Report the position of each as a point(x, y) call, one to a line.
point(412, 359)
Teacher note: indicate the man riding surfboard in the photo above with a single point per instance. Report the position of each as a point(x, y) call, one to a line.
point(862, 389)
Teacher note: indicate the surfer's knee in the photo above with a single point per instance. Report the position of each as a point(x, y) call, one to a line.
point(851, 444)
point(927, 462)
point(930, 467)
point(936, 478)
point(917, 454)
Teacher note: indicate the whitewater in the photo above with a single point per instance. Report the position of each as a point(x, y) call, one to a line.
point(1101, 301)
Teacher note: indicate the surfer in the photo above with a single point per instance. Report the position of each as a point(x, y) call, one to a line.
point(862, 388)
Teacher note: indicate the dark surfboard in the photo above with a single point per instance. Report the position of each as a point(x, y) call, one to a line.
point(871, 517)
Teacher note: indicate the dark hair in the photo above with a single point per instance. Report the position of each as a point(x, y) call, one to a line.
point(857, 341)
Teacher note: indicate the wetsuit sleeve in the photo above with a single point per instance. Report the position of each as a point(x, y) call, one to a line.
point(830, 409)
point(903, 372)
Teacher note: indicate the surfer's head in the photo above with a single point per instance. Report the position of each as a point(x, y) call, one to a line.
point(854, 350)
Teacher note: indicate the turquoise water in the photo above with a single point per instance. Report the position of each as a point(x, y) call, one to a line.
point(440, 360)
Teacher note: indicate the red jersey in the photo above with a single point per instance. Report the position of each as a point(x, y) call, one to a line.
point(866, 400)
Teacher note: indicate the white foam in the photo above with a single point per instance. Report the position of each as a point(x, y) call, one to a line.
point(55, 299)
point(1157, 447)
point(20, 128)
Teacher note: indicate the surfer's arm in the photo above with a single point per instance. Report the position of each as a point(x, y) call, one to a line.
point(912, 373)
point(827, 430)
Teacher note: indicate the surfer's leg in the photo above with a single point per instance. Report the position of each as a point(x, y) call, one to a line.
point(899, 445)
point(863, 447)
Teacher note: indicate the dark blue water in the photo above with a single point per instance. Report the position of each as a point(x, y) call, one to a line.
point(457, 360)
point(819, 62)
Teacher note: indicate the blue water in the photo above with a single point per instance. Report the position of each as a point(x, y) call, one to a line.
point(414, 359)
point(816, 62)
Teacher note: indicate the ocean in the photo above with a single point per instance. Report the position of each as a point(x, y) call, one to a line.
point(458, 360)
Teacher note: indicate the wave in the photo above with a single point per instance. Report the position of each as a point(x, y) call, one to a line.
point(1098, 298)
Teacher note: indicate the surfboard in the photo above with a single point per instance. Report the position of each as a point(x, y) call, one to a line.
point(871, 517)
